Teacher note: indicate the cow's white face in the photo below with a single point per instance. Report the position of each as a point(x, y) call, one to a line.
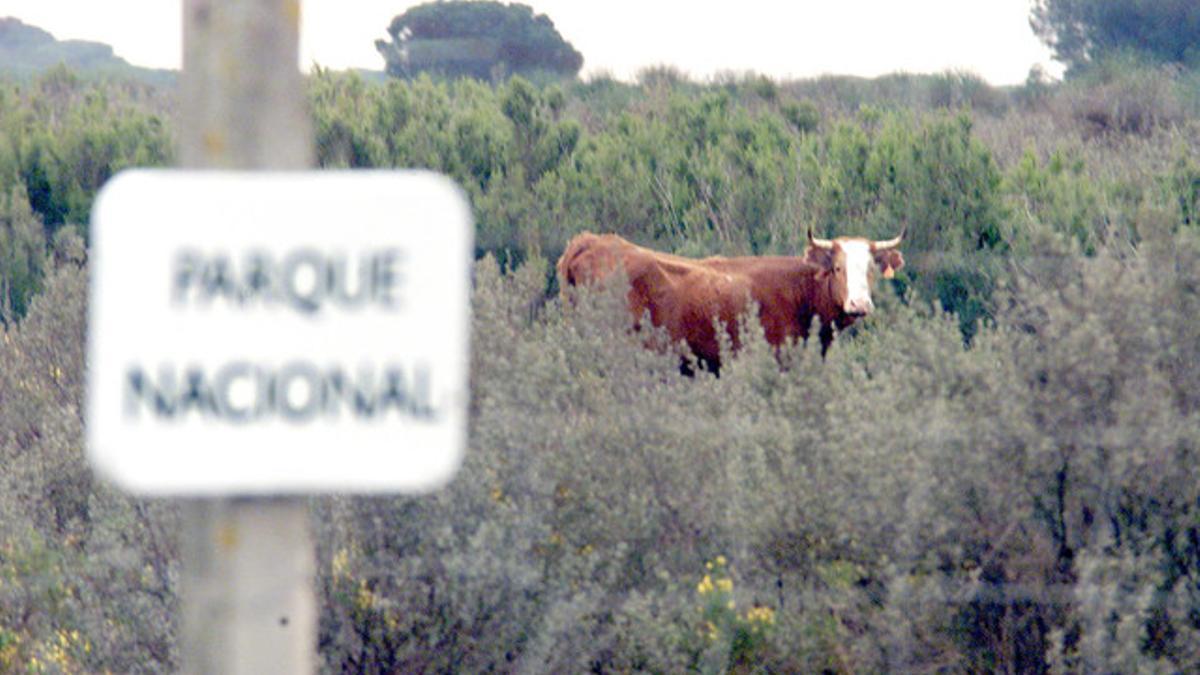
point(857, 267)
point(849, 259)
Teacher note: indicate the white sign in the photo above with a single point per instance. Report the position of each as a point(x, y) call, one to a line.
point(257, 333)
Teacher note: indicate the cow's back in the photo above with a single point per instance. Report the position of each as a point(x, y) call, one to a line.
point(680, 294)
point(589, 257)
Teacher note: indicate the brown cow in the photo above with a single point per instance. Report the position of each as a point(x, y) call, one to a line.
point(830, 282)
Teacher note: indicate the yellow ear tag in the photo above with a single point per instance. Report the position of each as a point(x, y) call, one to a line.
point(888, 272)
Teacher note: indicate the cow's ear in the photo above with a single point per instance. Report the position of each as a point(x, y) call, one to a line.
point(890, 261)
point(819, 256)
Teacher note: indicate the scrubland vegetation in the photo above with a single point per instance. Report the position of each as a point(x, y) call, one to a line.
point(997, 471)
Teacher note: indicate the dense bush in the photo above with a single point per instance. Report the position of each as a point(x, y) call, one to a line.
point(906, 502)
point(87, 576)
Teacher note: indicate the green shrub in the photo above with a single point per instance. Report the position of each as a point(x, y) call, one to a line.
point(802, 115)
point(1062, 195)
point(903, 502)
point(87, 576)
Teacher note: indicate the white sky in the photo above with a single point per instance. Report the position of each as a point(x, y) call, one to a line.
point(797, 38)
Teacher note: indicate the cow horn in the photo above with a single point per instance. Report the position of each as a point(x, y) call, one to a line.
point(818, 243)
point(890, 243)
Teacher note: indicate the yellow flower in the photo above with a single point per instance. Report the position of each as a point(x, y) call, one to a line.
point(761, 615)
point(725, 584)
point(721, 560)
point(365, 598)
point(341, 560)
point(705, 586)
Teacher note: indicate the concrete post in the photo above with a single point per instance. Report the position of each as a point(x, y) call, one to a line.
point(247, 578)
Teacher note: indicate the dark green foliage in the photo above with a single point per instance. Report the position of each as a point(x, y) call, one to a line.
point(476, 38)
point(802, 115)
point(22, 248)
point(1060, 194)
point(539, 142)
point(1082, 31)
point(880, 172)
point(715, 171)
point(61, 138)
point(701, 169)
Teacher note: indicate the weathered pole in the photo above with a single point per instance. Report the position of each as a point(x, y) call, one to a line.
point(247, 588)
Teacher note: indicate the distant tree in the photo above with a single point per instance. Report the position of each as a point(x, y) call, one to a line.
point(1080, 31)
point(476, 39)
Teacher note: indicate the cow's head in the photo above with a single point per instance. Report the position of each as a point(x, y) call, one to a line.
point(849, 262)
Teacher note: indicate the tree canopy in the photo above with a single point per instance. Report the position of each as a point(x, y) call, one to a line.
point(476, 39)
point(1080, 31)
